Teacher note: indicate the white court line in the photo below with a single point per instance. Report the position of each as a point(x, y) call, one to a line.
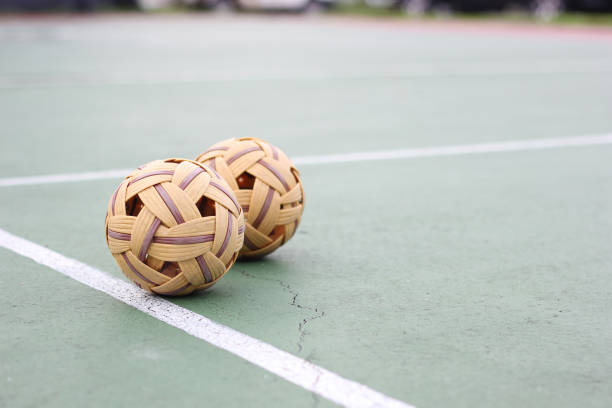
point(66, 177)
point(437, 151)
point(457, 150)
point(294, 369)
point(471, 69)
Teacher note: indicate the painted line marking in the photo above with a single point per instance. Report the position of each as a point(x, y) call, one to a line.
point(66, 177)
point(457, 150)
point(416, 70)
point(436, 151)
point(293, 369)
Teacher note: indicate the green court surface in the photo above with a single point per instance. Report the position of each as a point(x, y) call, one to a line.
point(464, 280)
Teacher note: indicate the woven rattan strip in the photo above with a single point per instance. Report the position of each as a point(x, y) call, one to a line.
point(174, 226)
point(267, 186)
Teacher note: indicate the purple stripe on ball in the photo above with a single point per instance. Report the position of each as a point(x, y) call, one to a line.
point(197, 239)
point(148, 239)
point(242, 153)
point(276, 173)
point(229, 194)
point(204, 268)
point(151, 174)
point(119, 235)
point(129, 264)
point(169, 203)
point(264, 209)
point(228, 232)
point(190, 178)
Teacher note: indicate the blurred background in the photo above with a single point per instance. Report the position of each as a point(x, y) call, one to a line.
point(599, 11)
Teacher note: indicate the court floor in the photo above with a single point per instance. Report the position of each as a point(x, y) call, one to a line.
point(472, 269)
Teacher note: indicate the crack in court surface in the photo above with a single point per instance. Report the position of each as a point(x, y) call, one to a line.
point(296, 370)
point(316, 313)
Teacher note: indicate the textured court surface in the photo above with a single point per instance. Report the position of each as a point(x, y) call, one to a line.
point(477, 280)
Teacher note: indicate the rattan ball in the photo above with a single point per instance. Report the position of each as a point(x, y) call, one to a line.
point(174, 226)
point(267, 186)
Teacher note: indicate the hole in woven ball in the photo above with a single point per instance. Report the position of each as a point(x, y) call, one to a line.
point(245, 181)
point(206, 207)
point(153, 262)
point(277, 231)
point(133, 206)
point(171, 269)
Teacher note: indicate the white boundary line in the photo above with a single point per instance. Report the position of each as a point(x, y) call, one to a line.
point(440, 151)
point(294, 369)
point(64, 178)
point(457, 150)
point(405, 71)
point(8, 83)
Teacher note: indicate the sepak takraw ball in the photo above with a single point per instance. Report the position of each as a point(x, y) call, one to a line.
point(267, 186)
point(174, 226)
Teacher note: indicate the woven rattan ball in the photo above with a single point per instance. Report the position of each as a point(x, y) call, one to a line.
point(267, 186)
point(174, 226)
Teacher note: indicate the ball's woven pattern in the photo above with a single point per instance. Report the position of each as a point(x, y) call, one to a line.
point(267, 186)
point(174, 226)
